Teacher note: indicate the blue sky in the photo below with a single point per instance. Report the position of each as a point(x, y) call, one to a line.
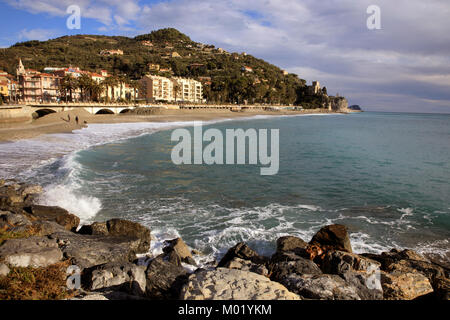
point(405, 66)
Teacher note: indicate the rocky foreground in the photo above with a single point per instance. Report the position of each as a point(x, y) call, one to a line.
point(45, 241)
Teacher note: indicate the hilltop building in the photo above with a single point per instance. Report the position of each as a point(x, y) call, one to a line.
point(315, 88)
point(111, 52)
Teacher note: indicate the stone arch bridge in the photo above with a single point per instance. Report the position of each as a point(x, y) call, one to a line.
point(40, 110)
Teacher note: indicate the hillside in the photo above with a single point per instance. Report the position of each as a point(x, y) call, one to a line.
point(176, 54)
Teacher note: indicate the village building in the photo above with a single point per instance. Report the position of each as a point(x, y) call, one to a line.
point(156, 88)
point(111, 52)
point(188, 90)
point(35, 86)
point(315, 88)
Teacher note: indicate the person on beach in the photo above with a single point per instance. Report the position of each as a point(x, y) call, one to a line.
point(68, 117)
point(76, 119)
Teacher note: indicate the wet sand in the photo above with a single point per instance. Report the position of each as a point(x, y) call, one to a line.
point(59, 122)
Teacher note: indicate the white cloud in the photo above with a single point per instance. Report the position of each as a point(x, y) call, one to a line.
point(37, 34)
point(326, 40)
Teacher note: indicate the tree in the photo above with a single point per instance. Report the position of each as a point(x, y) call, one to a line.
point(67, 85)
point(85, 83)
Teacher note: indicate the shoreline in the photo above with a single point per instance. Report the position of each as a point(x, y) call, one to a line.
point(115, 264)
point(58, 122)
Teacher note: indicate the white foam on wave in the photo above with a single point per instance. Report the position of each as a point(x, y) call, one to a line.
point(65, 196)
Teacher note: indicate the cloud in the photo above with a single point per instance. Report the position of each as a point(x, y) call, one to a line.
point(106, 12)
point(406, 63)
point(37, 34)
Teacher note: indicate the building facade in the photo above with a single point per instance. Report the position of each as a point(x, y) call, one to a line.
point(188, 90)
point(156, 88)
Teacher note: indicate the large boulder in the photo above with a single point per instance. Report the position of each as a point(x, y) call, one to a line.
point(367, 284)
point(121, 228)
point(281, 270)
point(291, 244)
point(125, 276)
point(405, 286)
point(231, 284)
point(408, 261)
point(180, 248)
point(361, 272)
point(164, 279)
point(55, 214)
point(88, 251)
point(333, 237)
point(247, 265)
point(242, 251)
point(30, 252)
point(339, 262)
point(323, 287)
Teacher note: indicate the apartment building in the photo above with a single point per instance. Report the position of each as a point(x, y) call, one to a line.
point(35, 86)
point(156, 88)
point(188, 90)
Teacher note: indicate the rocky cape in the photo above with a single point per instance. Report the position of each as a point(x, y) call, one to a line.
point(114, 262)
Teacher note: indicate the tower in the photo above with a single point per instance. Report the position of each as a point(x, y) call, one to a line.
point(20, 68)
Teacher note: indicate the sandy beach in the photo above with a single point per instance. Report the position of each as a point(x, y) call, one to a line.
point(59, 122)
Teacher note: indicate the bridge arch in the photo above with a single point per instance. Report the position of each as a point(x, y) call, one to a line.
point(125, 111)
point(104, 111)
point(42, 112)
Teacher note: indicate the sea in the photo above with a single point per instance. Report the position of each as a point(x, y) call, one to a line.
point(386, 176)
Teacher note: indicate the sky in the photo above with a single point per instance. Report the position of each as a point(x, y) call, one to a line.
point(402, 67)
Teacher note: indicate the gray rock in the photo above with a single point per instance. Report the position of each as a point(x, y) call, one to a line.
point(181, 249)
point(88, 251)
point(242, 251)
point(231, 284)
point(4, 270)
point(55, 214)
point(30, 252)
point(13, 219)
point(121, 228)
point(164, 279)
point(246, 265)
point(323, 287)
point(281, 270)
point(125, 277)
point(368, 285)
point(339, 262)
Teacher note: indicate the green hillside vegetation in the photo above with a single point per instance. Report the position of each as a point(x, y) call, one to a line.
point(266, 84)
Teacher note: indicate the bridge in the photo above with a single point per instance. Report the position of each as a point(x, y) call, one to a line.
point(28, 111)
point(42, 109)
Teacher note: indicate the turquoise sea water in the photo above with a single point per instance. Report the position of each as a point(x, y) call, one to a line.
point(384, 175)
